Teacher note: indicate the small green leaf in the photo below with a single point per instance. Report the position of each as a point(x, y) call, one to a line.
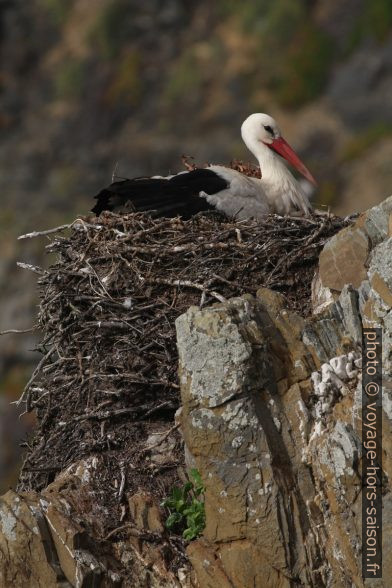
point(169, 503)
point(195, 474)
point(186, 506)
point(173, 519)
point(180, 504)
point(189, 534)
point(198, 486)
point(177, 493)
point(187, 487)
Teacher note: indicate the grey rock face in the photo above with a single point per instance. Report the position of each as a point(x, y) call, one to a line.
point(271, 417)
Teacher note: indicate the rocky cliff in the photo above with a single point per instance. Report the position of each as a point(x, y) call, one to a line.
point(270, 413)
point(88, 83)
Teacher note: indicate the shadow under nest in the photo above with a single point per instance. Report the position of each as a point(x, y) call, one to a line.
point(108, 375)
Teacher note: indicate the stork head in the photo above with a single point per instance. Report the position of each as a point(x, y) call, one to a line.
point(260, 127)
point(260, 131)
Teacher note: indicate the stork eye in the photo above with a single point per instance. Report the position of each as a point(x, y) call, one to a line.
point(269, 129)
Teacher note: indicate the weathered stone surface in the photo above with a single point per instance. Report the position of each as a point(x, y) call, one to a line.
point(222, 363)
point(322, 296)
point(336, 329)
point(77, 564)
point(42, 544)
point(23, 558)
point(377, 221)
point(145, 512)
point(345, 258)
point(241, 441)
point(209, 570)
point(380, 271)
point(160, 448)
point(283, 330)
point(275, 430)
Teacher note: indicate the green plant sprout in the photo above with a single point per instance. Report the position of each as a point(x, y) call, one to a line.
point(186, 507)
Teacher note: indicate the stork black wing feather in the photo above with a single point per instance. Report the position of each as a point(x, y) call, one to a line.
point(178, 195)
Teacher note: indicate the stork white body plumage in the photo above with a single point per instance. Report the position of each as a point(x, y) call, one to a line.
point(229, 191)
point(244, 196)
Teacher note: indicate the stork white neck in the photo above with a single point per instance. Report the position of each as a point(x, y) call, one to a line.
point(263, 138)
point(271, 165)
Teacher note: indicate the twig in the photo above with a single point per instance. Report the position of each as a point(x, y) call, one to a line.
point(234, 284)
point(18, 331)
point(30, 267)
point(117, 412)
point(42, 233)
point(122, 485)
point(203, 298)
point(186, 284)
point(114, 173)
point(143, 232)
point(120, 325)
point(34, 375)
point(162, 439)
point(301, 219)
point(156, 408)
point(189, 166)
point(135, 532)
point(187, 247)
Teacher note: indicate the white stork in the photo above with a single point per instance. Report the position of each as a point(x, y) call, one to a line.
point(229, 191)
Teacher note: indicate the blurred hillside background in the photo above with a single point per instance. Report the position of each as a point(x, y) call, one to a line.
point(88, 83)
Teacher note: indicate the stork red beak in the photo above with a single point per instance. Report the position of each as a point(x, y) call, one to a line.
point(283, 148)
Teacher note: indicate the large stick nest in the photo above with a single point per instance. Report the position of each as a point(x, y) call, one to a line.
point(108, 375)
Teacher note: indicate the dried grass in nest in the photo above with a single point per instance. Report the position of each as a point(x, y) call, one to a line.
point(108, 375)
point(248, 169)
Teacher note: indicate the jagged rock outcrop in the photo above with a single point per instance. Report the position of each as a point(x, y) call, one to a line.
point(43, 544)
point(271, 417)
